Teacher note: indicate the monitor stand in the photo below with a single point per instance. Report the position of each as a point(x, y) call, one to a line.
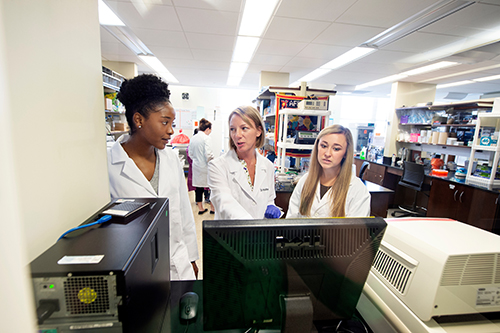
point(297, 313)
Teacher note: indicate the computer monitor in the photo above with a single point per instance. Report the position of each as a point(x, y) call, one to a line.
point(270, 274)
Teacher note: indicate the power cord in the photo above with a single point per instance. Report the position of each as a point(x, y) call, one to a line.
point(103, 219)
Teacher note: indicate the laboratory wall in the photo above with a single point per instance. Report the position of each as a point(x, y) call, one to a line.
point(16, 314)
point(54, 85)
point(214, 104)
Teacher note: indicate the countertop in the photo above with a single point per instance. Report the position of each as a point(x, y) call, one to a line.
point(450, 177)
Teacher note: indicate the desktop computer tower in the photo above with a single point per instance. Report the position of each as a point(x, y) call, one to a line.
point(111, 278)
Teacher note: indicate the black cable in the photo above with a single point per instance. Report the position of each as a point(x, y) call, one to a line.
point(46, 309)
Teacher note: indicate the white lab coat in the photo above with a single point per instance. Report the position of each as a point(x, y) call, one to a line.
point(357, 202)
point(200, 151)
point(126, 180)
point(231, 194)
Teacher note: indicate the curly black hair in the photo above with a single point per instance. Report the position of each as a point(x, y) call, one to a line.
point(142, 94)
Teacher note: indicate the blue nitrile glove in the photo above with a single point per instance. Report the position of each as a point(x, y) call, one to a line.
point(272, 212)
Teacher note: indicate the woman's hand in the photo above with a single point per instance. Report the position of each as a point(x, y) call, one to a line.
point(272, 212)
point(195, 269)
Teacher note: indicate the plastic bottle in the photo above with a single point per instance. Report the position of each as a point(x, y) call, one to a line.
point(362, 155)
point(393, 160)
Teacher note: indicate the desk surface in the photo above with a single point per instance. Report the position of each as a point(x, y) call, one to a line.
point(174, 324)
point(375, 188)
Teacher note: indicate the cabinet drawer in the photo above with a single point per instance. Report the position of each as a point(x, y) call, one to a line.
point(373, 177)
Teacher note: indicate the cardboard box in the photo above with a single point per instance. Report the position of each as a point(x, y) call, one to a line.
point(120, 126)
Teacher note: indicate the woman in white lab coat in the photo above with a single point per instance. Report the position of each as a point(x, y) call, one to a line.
point(139, 165)
point(242, 180)
point(330, 189)
point(200, 151)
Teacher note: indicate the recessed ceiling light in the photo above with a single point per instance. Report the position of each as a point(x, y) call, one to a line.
point(348, 57)
point(454, 84)
point(488, 78)
point(159, 68)
point(392, 78)
point(256, 16)
point(107, 16)
point(430, 68)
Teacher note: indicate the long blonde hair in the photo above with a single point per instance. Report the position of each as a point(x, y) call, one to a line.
point(338, 192)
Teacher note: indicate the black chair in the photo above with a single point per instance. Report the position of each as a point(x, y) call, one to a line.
point(364, 166)
point(413, 178)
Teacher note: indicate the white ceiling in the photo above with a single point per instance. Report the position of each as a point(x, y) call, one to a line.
point(194, 39)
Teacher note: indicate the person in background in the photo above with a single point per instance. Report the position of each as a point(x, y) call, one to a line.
point(190, 169)
point(200, 151)
point(330, 189)
point(139, 165)
point(242, 181)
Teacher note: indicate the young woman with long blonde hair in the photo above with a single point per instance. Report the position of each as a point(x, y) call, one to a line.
point(330, 189)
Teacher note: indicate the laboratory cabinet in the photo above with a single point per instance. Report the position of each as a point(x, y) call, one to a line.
point(463, 203)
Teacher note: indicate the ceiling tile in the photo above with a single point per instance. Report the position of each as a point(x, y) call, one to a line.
point(386, 57)
point(223, 5)
point(311, 63)
point(212, 55)
point(106, 37)
point(294, 29)
point(161, 37)
point(382, 13)
point(280, 47)
point(346, 35)
point(210, 42)
point(321, 10)
point(208, 21)
point(171, 52)
point(270, 59)
point(420, 42)
point(464, 23)
point(155, 17)
point(264, 68)
point(323, 51)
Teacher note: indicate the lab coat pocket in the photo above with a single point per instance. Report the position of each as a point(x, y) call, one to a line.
point(180, 266)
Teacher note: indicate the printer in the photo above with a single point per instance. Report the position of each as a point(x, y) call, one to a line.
point(427, 269)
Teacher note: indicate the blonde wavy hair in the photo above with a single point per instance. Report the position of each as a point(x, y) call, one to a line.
point(338, 193)
point(251, 116)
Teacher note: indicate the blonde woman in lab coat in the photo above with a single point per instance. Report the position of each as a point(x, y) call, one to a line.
point(330, 189)
point(242, 180)
point(200, 151)
point(139, 165)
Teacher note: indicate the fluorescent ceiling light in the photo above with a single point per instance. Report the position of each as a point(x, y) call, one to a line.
point(488, 78)
point(237, 69)
point(317, 73)
point(430, 68)
point(107, 16)
point(454, 84)
point(245, 48)
point(233, 81)
point(461, 73)
point(429, 15)
point(392, 78)
point(159, 68)
point(256, 16)
point(348, 57)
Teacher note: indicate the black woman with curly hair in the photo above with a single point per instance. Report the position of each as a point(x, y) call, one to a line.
point(139, 165)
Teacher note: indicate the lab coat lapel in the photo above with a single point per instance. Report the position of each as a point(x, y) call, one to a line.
point(130, 169)
point(239, 175)
point(260, 174)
